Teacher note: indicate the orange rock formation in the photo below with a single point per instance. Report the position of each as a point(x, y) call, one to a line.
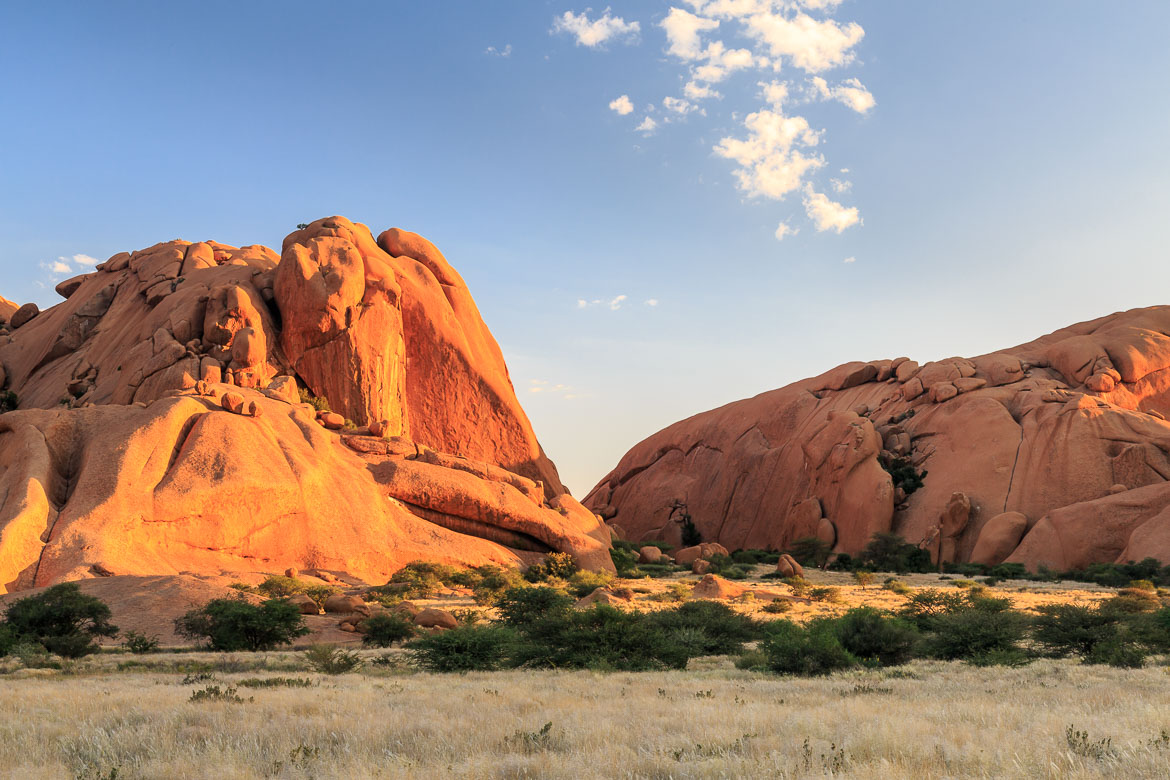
point(1051, 453)
point(160, 428)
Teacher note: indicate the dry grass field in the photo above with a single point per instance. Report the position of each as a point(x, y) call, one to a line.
point(121, 716)
point(929, 719)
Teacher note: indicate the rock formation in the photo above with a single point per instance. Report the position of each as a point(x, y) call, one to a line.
point(160, 427)
point(1051, 453)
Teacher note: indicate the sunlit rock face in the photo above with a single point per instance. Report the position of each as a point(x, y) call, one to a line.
point(160, 427)
point(1051, 453)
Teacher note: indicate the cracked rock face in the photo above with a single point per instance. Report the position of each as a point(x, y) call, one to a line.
point(1055, 453)
point(160, 428)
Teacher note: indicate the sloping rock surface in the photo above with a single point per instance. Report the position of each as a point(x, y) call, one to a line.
point(1066, 435)
point(159, 427)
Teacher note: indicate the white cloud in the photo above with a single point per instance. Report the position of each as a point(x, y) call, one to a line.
point(784, 230)
point(828, 214)
point(851, 92)
point(82, 260)
point(696, 91)
point(647, 127)
point(770, 166)
point(595, 33)
point(678, 105)
point(59, 267)
point(651, 301)
point(545, 386)
point(774, 93)
point(850, 259)
point(504, 52)
point(622, 105)
point(721, 62)
point(810, 44)
point(682, 32)
point(840, 186)
point(612, 304)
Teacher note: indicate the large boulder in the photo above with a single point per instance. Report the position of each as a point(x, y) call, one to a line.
point(161, 429)
point(1068, 431)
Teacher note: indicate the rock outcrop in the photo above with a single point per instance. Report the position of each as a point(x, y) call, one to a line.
point(160, 428)
point(1051, 453)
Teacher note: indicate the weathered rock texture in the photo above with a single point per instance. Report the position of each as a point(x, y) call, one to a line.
point(159, 427)
point(1051, 453)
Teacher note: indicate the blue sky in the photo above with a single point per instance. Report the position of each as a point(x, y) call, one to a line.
point(1011, 175)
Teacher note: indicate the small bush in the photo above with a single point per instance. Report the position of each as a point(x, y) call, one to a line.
point(276, 682)
point(329, 659)
point(598, 638)
point(868, 633)
point(863, 578)
point(318, 403)
point(420, 579)
point(810, 551)
point(235, 624)
point(61, 619)
point(557, 565)
point(723, 629)
point(979, 627)
point(752, 660)
point(583, 582)
point(925, 605)
point(756, 557)
point(463, 649)
point(384, 629)
point(215, 693)
point(494, 581)
point(522, 606)
point(1072, 629)
point(140, 644)
point(1119, 653)
point(320, 593)
point(777, 606)
point(828, 593)
point(279, 586)
point(897, 586)
point(890, 552)
point(675, 592)
point(805, 650)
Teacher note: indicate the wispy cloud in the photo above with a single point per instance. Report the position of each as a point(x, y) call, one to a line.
point(783, 230)
point(827, 214)
point(613, 304)
point(850, 259)
point(504, 52)
point(796, 43)
point(594, 33)
point(548, 388)
point(63, 266)
point(81, 260)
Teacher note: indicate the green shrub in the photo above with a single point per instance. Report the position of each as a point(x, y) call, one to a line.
point(522, 606)
point(279, 586)
point(1117, 652)
point(384, 629)
point(139, 644)
point(755, 557)
point(420, 579)
point(318, 403)
point(810, 551)
point(61, 619)
point(980, 627)
point(463, 649)
point(903, 474)
point(584, 582)
point(625, 559)
point(235, 624)
point(1072, 629)
point(829, 593)
point(863, 578)
point(494, 581)
point(897, 586)
point(329, 659)
point(598, 638)
point(868, 633)
point(320, 593)
point(805, 650)
point(777, 606)
point(752, 660)
point(925, 605)
point(675, 593)
point(215, 693)
point(1009, 571)
point(723, 629)
point(557, 565)
point(890, 552)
